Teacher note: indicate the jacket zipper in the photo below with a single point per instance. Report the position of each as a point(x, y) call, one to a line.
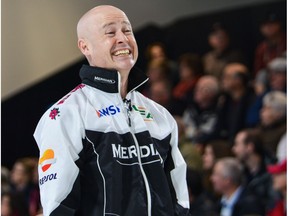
point(128, 107)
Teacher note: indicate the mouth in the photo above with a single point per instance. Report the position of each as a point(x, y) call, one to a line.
point(123, 52)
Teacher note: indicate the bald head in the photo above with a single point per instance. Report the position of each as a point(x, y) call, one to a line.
point(106, 39)
point(92, 16)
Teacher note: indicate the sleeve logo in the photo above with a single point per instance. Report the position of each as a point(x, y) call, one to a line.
point(47, 160)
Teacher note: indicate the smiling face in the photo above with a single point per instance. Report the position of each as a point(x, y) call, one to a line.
point(106, 38)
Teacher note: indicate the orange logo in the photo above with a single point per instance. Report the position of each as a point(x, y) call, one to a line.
point(47, 160)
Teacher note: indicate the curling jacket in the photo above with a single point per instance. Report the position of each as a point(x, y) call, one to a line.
point(102, 155)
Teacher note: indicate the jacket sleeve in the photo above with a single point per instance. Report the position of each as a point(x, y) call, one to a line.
point(178, 174)
point(59, 136)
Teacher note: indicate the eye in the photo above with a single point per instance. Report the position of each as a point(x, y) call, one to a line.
point(127, 31)
point(110, 33)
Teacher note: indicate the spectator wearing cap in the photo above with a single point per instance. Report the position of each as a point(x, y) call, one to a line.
point(272, 79)
point(248, 149)
point(273, 122)
point(227, 179)
point(274, 43)
point(279, 173)
point(221, 53)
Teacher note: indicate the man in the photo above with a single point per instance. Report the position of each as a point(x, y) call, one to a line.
point(273, 45)
point(279, 173)
point(106, 149)
point(201, 116)
point(273, 122)
point(235, 101)
point(248, 148)
point(221, 53)
point(236, 200)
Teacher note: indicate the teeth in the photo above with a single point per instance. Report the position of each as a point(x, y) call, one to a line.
point(122, 52)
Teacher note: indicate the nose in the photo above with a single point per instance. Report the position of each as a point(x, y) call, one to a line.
point(121, 37)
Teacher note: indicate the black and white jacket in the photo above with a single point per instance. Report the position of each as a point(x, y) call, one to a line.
point(101, 155)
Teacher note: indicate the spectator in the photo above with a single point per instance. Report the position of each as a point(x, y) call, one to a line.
point(200, 202)
point(248, 148)
point(201, 116)
point(160, 92)
point(21, 180)
point(190, 69)
point(274, 79)
point(279, 172)
point(273, 45)
point(213, 151)
point(157, 51)
point(236, 199)
point(273, 121)
point(157, 71)
point(235, 101)
point(221, 53)
point(13, 204)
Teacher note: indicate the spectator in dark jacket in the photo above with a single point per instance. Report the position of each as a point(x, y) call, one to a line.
point(235, 101)
point(248, 148)
point(236, 199)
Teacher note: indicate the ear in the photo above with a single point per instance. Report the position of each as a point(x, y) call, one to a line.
point(83, 46)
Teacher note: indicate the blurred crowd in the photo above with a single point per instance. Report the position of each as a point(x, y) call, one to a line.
point(231, 120)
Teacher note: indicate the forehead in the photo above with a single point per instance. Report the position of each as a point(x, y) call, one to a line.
point(109, 18)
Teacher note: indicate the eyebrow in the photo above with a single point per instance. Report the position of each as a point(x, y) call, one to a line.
point(113, 23)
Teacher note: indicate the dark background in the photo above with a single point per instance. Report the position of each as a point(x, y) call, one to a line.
point(21, 113)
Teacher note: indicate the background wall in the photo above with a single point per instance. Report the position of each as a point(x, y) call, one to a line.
point(39, 38)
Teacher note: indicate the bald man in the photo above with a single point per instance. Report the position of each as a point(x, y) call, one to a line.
point(105, 149)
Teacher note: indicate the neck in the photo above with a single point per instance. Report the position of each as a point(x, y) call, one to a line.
point(124, 84)
point(253, 163)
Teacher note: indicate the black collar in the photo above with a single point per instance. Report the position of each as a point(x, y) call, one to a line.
point(108, 80)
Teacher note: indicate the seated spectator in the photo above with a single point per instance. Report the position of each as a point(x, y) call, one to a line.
point(213, 151)
point(160, 92)
point(200, 202)
point(273, 45)
point(14, 204)
point(215, 60)
point(248, 148)
point(201, 116)
point(190, 69)
point(273, 121)
point(236, 199)
point(235, 101)
point(21, 182)
point(279, 173)
point(157, 71)
point(272, 79)
point(157, 51)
